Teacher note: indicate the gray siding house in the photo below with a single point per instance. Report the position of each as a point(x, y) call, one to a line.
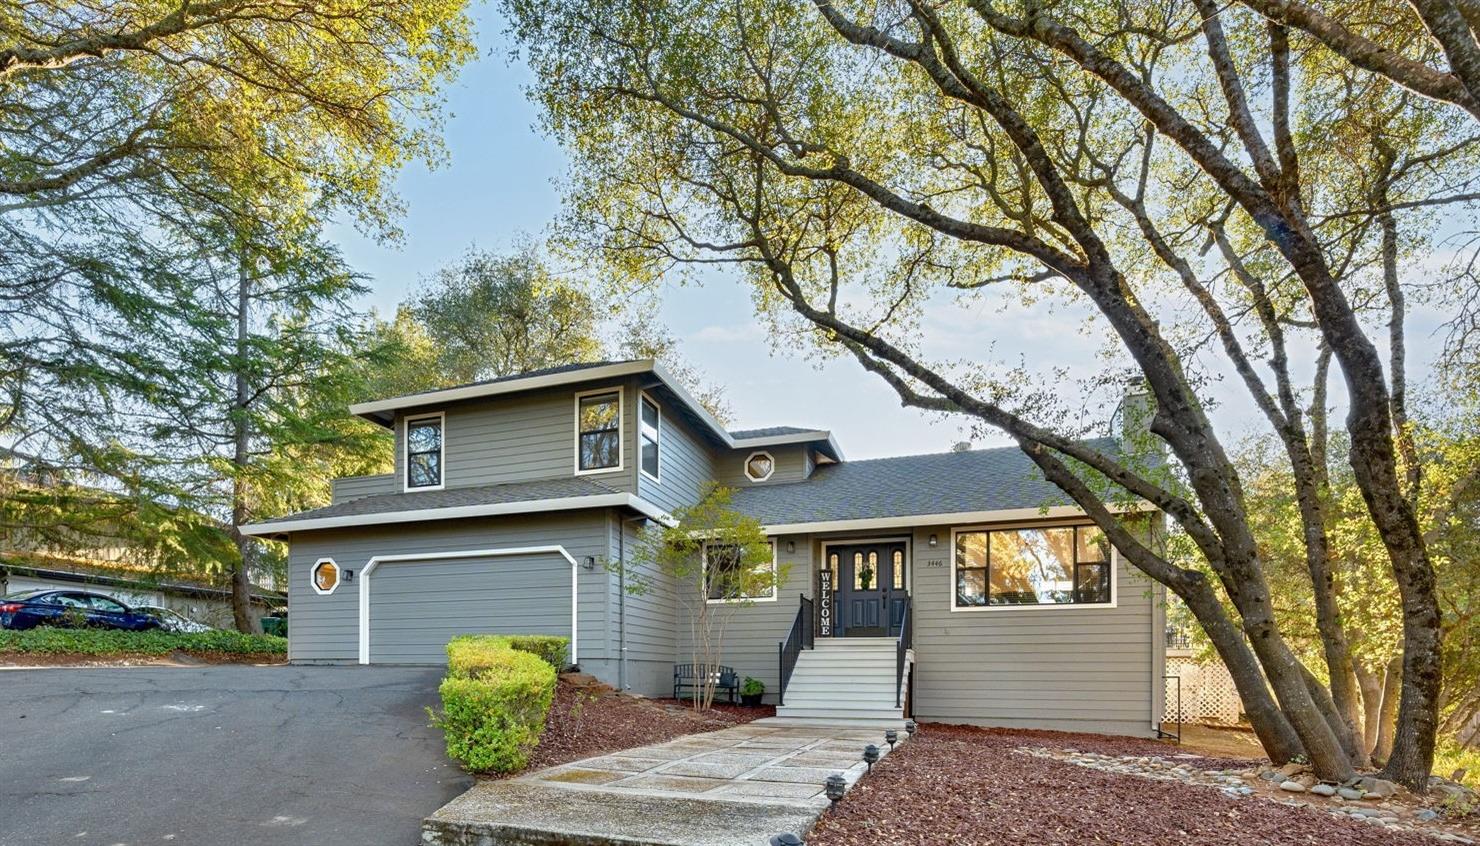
point(956, 587)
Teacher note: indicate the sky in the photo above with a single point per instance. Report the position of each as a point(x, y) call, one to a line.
point(499, 186)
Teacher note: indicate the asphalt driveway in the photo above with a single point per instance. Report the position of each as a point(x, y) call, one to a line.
point(228, 755)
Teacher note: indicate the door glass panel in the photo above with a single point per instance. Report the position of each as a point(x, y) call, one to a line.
point(898, 569)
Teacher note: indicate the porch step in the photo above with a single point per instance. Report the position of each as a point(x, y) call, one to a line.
point(845, 682)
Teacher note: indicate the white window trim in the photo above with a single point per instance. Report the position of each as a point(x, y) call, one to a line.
point(643, 396)
point(621, 393)
point(739, 600)
point(406, 486)
point(314, 582)
point(746, 465)
point(1066, 606)
point(373, 563)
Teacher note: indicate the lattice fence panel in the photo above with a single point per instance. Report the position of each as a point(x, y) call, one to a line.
point(1208, 694)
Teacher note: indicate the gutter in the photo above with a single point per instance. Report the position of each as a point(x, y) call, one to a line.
point(529, 506)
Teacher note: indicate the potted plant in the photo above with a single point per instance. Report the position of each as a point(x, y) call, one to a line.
point(751, 691)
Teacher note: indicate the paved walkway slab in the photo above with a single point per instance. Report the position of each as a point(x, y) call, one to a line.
point(733, 787)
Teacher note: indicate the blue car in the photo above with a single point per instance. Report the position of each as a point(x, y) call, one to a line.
point(75, 608)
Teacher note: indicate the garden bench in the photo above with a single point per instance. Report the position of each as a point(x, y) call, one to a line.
point(691, 677)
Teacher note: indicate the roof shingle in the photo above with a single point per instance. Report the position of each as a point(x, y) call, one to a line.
point(453, 498)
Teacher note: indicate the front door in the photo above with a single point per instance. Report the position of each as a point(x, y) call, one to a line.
point(870, 581)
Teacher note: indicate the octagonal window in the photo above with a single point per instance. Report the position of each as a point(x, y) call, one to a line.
point(325, 576)
point(759, 466)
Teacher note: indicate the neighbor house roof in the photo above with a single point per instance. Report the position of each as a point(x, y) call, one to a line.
point(450, 503)
point(956, 486)
point(121, 574)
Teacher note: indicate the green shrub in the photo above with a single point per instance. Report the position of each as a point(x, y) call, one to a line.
point(103, 642)
point(494, 703)
point(474, 648)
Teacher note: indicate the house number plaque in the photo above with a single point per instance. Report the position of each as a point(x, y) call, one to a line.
point(824, 603)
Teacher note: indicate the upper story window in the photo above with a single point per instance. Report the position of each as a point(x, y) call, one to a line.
point(649, 426)
point(1054, 565)
point(598, 431)
point(759, 466)
point(424, 452)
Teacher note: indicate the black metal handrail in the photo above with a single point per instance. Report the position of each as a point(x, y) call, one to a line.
point(799, 637)
point(901, 648)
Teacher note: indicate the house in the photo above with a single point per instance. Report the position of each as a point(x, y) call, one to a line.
point(510, 496)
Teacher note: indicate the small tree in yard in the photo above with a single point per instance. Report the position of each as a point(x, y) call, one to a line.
point(716, 561)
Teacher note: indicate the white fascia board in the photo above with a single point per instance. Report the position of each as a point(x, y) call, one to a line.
point(793, 438)
point(1004, 515)
point(613, 500)
point(510, 386)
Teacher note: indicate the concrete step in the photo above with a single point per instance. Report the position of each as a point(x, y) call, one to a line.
point(840, 642)
point(836, 713)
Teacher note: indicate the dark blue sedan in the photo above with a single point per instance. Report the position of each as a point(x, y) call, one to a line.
point(74, 608)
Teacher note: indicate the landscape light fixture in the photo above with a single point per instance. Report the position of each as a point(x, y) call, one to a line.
point(786, 838)
point(910, 728)
point(871, 756)
point(835, 787)
point(891, 737)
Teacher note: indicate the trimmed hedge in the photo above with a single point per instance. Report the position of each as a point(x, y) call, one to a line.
point(467, 649)
point(50, 640)
point(495, 699)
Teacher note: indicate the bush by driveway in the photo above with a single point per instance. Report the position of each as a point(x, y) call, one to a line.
point(103, 643)
point(224, 755)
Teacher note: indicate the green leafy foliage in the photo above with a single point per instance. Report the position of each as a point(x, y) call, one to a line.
point(469, 651)
point(495, 699)
point(47, 640)
point(752, 686)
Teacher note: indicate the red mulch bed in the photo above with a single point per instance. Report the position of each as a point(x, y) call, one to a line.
point(588, 718)
point(965, 786)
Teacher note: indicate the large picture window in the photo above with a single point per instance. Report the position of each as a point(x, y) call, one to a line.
point(1053, 565)
point(649, 431)
point(424, 452)
point(729, 579)
point(599, 432)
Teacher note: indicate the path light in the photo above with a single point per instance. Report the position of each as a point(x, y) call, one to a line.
point(891, 737)
point(871, 756)
point(835, 787)
point(910, 728)
point(786, 839)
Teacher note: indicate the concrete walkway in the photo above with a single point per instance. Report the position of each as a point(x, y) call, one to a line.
point(733, 787)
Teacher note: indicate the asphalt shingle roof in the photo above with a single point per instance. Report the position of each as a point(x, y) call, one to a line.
point(454, 498)
point(937, 483)
point(768, 432)
point(528, 374)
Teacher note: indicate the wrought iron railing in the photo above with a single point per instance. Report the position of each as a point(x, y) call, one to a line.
point(798, 638)
point(901, 649)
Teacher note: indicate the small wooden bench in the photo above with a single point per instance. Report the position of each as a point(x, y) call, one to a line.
point(690, 677)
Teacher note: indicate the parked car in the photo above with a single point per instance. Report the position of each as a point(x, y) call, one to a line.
point(74, 608)
point(173, 621)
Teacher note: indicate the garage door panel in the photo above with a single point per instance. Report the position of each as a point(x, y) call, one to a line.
point(417, 606)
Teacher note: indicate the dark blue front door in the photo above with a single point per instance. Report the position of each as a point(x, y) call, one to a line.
point(870, 581)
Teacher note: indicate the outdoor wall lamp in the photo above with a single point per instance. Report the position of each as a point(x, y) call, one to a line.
point(791, 546)
point(835, 787)
point(933, 540)
point(589, 563)
point(871, 756)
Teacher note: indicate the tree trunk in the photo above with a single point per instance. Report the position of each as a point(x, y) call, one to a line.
point(1274, 731)
point(1371, 687)
point(1387, 717)
point(241, 582)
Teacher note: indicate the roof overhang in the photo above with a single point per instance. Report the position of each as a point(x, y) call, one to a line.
point(569, 503)
point(954, 518)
